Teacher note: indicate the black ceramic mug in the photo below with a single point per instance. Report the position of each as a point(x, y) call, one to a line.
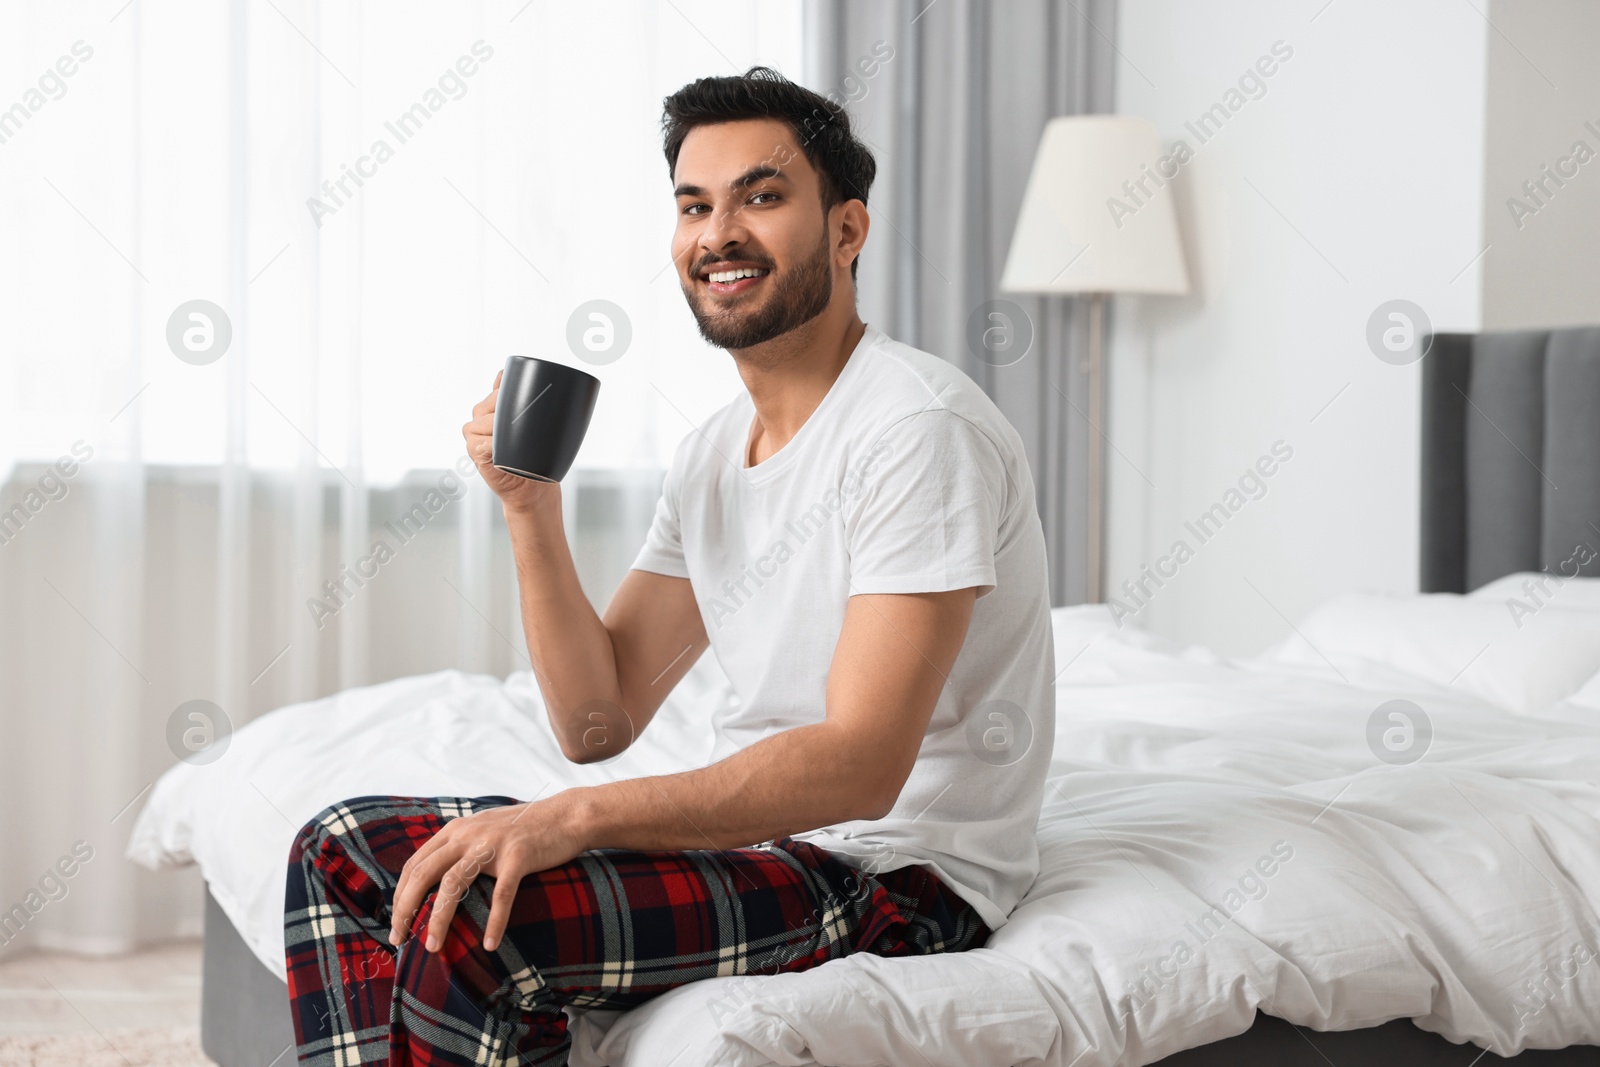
point(540, 417)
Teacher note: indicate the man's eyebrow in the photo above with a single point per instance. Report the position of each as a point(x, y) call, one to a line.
point(762, 172)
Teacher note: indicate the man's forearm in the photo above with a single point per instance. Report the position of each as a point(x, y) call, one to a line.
point(572, 653)
point(788, 783)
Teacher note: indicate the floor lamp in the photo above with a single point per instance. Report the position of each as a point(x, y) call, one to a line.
point(1097, 219)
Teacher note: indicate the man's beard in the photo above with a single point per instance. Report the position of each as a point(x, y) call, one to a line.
point(799, 295)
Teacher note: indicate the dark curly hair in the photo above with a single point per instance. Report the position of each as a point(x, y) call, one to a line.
point(845, 165)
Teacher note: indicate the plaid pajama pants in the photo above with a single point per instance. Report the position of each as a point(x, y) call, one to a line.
point(609, 929)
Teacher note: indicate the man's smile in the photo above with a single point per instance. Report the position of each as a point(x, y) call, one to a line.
point(730, 278)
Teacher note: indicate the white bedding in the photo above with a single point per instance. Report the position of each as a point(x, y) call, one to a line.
point(1363, 890)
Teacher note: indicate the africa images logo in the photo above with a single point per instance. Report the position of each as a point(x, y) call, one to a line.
point(1251, 886)
point(741, 588)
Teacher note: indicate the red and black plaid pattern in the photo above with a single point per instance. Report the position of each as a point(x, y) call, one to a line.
point(609, 929)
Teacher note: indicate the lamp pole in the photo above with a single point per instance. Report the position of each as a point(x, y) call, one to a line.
point(1097, 484)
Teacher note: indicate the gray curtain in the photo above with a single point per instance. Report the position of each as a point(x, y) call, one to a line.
point(952, 96)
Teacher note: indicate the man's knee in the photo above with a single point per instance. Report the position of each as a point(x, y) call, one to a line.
point(335, 820)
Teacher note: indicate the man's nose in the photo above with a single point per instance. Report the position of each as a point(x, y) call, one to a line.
point(724, 230)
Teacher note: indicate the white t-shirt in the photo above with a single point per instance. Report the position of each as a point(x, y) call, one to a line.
point(905, 479)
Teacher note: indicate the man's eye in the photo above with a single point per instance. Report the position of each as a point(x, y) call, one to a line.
point(758, 196)
point(692, 209)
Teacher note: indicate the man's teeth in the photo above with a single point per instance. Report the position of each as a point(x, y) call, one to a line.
point(726, 276)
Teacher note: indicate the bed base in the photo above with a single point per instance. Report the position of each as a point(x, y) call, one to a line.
point(244, 1008)
point(1272, 1042)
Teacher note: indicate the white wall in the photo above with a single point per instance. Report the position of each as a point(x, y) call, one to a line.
point(1544, 97)
point(1355, 178)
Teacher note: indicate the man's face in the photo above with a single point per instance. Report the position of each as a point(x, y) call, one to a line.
point(749, 203)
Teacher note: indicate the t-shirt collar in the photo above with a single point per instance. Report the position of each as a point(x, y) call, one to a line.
point(784, 457)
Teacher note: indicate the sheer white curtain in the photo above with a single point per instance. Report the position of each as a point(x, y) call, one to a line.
point(377, 203)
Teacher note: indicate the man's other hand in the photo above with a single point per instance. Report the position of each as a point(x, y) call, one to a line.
point(506, 843)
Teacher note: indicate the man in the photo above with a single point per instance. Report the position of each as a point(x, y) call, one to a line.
point(855, 538)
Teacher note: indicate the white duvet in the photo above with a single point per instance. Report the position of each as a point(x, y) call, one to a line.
point(1217, 837)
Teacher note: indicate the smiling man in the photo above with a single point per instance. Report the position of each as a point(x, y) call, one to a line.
point(855, 538)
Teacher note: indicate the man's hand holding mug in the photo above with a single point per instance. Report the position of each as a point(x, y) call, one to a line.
point(525, 434)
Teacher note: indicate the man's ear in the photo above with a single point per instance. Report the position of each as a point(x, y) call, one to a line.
point(853, 223)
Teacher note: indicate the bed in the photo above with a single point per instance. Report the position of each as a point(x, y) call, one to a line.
point(1375, 841)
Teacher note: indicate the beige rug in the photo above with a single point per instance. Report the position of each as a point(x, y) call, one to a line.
point(156, 1046)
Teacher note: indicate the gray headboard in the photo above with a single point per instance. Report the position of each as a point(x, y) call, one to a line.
point(1510, 456)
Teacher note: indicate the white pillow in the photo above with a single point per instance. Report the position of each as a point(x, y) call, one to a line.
point(1534, 590)
point(1521, 662)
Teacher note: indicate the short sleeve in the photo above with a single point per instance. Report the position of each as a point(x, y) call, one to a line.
point(663, 544)
point(927, 515)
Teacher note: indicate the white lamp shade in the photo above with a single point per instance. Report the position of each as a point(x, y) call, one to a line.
point(1097, 216)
